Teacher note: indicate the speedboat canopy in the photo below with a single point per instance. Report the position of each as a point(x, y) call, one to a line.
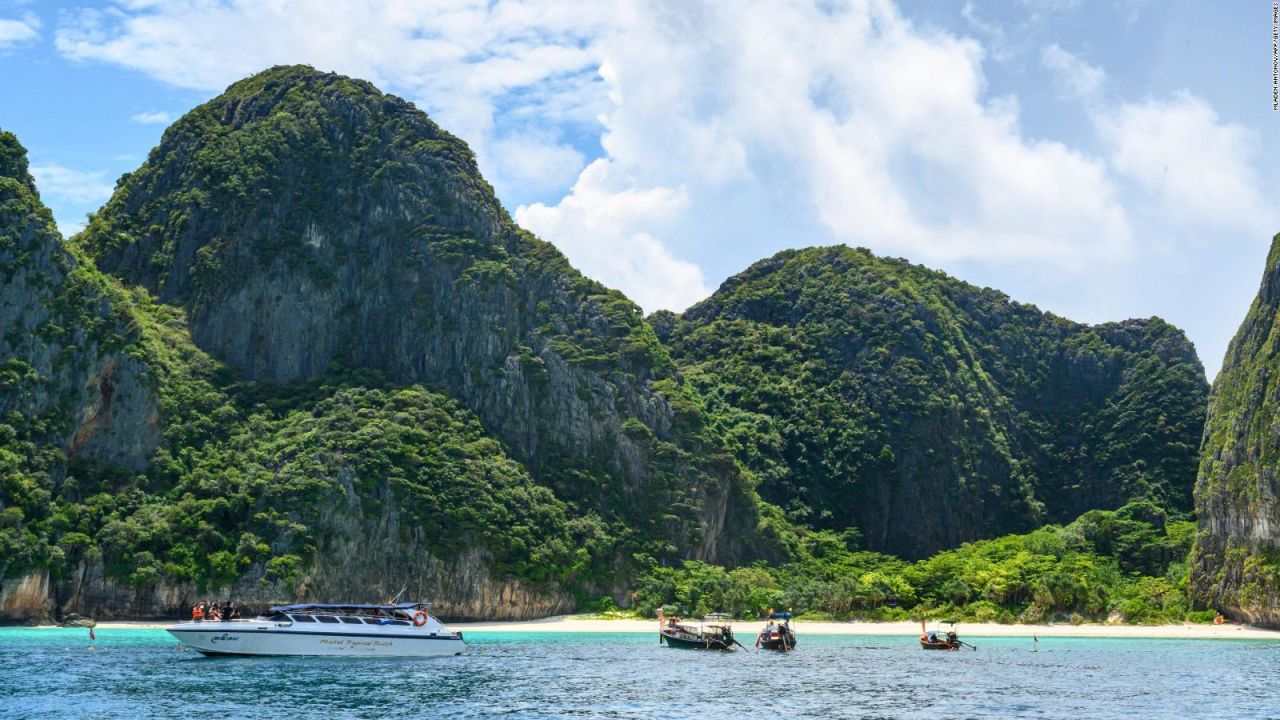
point(316, 606)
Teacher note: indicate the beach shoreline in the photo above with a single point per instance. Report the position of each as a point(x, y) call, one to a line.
point(586, 624)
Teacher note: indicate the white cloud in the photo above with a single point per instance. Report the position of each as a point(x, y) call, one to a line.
point(152, 118)
point(77, 187)
point(534, 164)
point(1189, 167)
point(1078, 79)
point(730, 131)
point(601, 227)
point(527, 66)
point(876, 134)
point(17, 32)
point(61, 185)
point(1188, 162)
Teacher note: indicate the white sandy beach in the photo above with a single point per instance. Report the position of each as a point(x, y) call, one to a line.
point(580, 624)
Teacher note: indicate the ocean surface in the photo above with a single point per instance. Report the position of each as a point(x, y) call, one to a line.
point(48, 673)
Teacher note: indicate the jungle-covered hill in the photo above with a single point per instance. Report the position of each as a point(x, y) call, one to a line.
point(303, 352)
point(872, 393)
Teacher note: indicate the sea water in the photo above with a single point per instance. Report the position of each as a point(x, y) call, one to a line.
point(56, 673)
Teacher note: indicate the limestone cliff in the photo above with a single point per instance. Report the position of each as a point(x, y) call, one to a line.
point(68, 352)
point(306, 220)
point(74, 389)
point(926, 412)
point(1235, 566)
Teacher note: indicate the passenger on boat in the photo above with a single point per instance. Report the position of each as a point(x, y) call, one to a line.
point(197, 613)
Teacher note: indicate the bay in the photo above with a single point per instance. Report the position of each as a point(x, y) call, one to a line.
point(60, 673)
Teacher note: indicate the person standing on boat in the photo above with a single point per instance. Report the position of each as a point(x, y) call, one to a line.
point(197, 613)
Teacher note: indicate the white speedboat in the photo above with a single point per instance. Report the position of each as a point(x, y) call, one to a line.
point(401, 630)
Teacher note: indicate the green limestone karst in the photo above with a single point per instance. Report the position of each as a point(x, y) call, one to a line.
point(303, 243)
point(303, 352)
point(74, 384)
point(306, 221)
point(872, 393)
point(1236, 561)
point(138, 474)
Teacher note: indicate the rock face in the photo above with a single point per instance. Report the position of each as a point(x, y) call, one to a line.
point(419, 394)
point(75, 389)
point(69, 368)
point(306, 220)
point(926, 412)
point(1235, 565)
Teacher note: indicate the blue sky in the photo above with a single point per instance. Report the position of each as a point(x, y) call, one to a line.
point(1101, 160)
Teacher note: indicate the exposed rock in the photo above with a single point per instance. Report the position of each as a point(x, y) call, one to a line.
point(65, 337)
point(25, 599)
point(927, 412)
point(305, 219)
point(1235, 566)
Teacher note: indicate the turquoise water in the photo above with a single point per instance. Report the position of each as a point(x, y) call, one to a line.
point(138, 673)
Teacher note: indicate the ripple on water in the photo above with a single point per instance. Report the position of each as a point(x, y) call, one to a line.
point(138, 673)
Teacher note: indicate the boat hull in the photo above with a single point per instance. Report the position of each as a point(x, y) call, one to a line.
point(253, 638)
point(781, 644)
point(938, 645)
point(677, 641)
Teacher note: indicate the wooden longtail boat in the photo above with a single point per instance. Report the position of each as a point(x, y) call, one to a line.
point(778, 636)
point(938, 640)
point(713, 632)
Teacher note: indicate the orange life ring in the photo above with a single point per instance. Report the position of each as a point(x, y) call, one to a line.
point(419, 619)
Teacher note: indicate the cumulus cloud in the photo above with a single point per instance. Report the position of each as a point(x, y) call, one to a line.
point(152, 118)
point(1188, 166)
point(526, 66)
point(16, 32)
point(876, 134)
point(661, 143)
point(602, 226)
point(1187, 161)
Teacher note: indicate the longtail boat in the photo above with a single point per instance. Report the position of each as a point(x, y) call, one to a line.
point(938, 640)
point(778, 635)
point(713, 632)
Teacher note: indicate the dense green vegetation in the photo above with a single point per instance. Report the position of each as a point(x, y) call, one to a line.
point(305, 335)
point(1236, 563)
point(872, 393)
point(304, 219)
point(245, 476)
point(1128, 564)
